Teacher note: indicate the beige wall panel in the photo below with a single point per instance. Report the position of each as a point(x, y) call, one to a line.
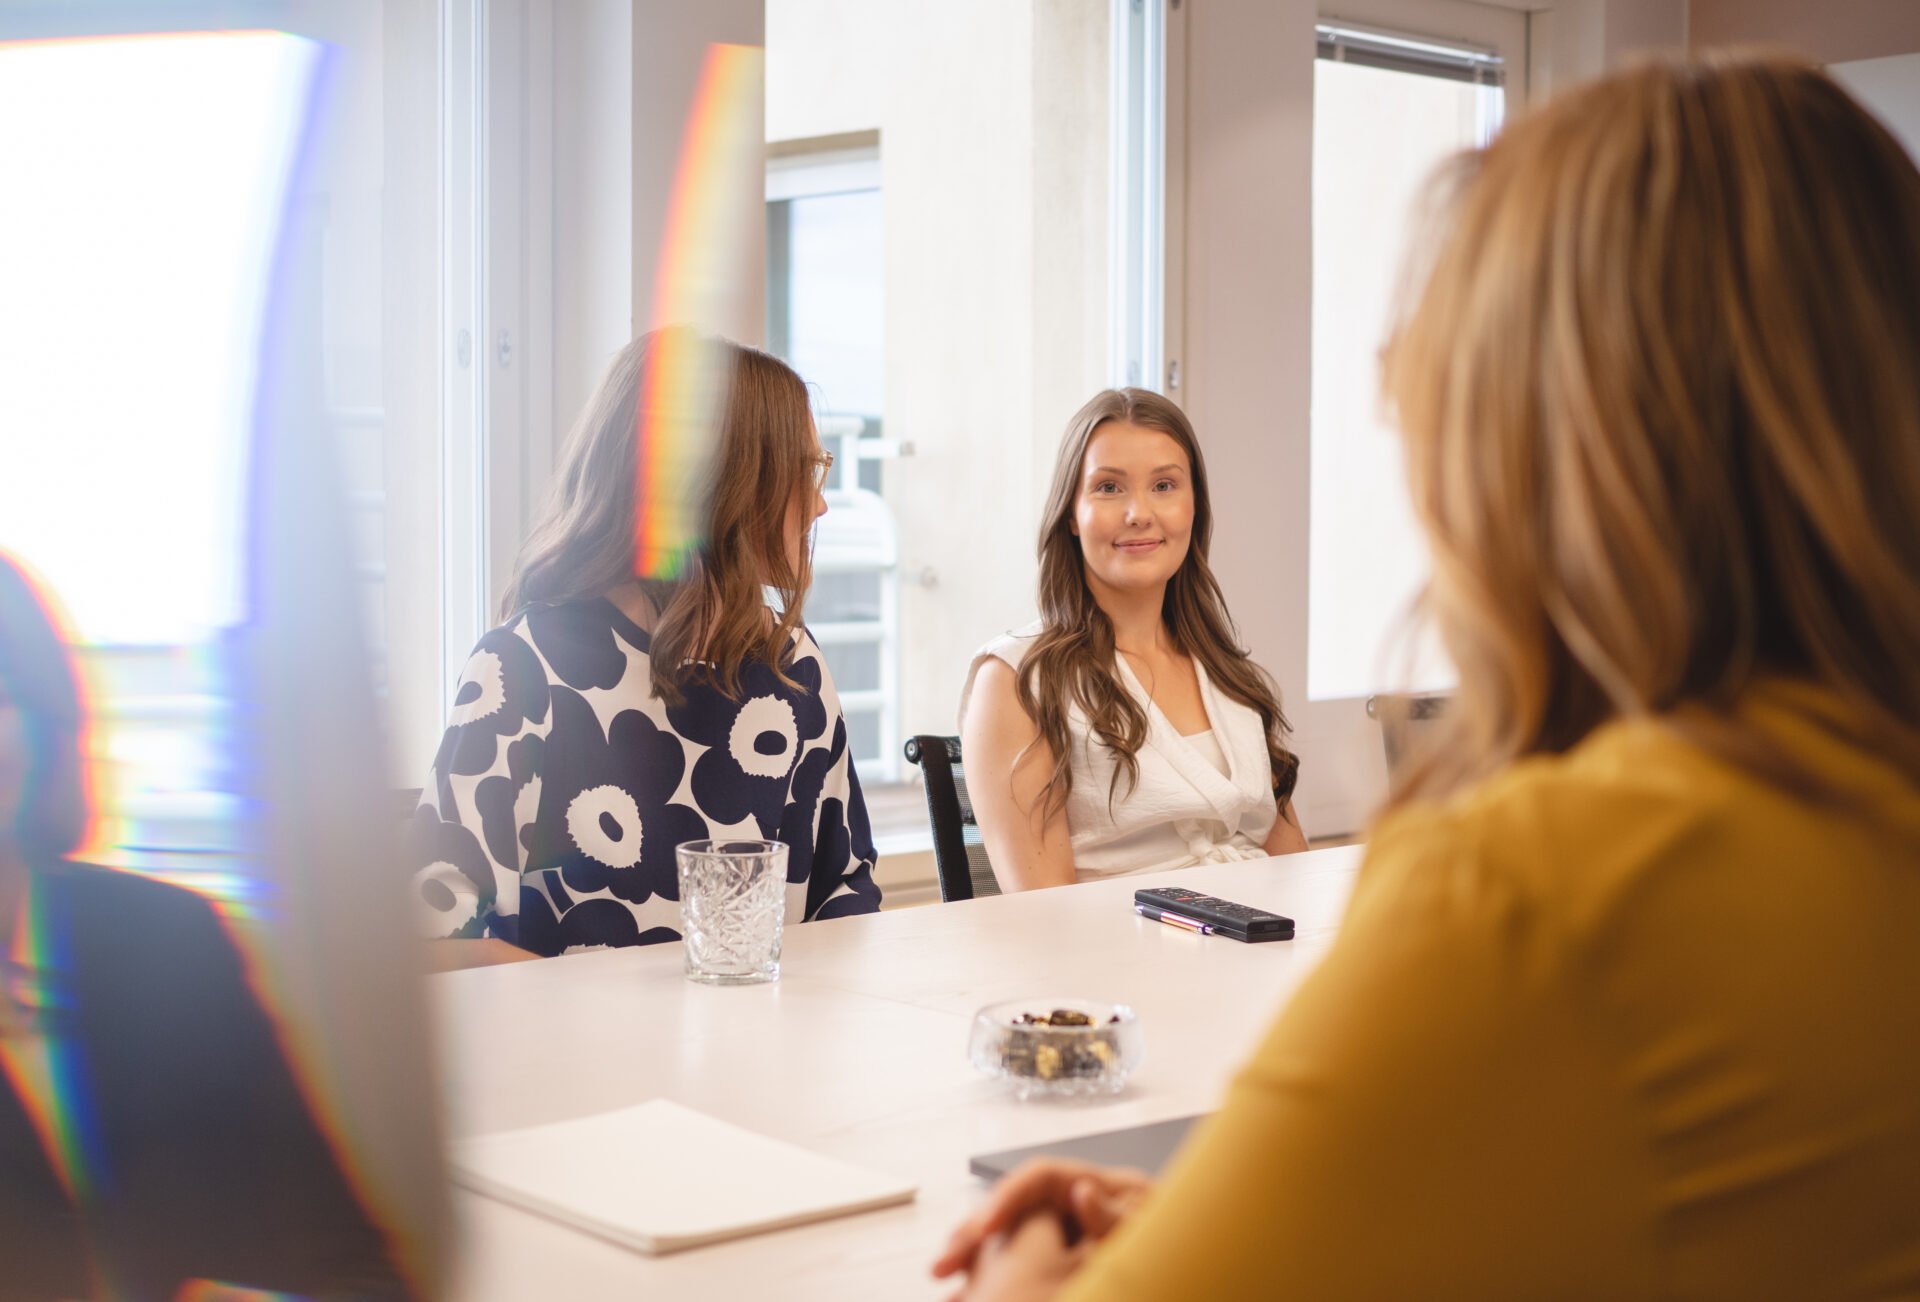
point(592, 286)
point(670, 41)
point(1248, 293)
point(1826, 30)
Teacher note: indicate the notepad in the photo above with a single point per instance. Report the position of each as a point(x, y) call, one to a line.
point(660, 1177)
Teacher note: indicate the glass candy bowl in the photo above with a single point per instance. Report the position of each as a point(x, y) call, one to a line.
point(1057, 1047)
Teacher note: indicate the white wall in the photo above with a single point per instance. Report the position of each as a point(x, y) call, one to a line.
point(1891, 88)
point(949, 89)
point(410, 344)
point(992, 123)
point(1247, 327)
point(624, 76)
point(1574, 40)
point(592, 151)
point(670, 42)
point(1071, 200)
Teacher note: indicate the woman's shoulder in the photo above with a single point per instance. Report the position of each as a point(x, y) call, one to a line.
point(103, 895)
point(1576, 832)
point(124, 920)
point(1009, 648)
point(586, 644)
point(801, 685)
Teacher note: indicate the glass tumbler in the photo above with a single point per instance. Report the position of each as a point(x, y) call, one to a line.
point(733, 899)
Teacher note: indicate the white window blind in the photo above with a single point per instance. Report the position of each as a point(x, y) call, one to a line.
point(1392, 53)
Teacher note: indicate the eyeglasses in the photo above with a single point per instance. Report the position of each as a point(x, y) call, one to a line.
point(824, 468)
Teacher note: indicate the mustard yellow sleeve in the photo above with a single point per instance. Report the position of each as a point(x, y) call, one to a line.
point(1432, 1117)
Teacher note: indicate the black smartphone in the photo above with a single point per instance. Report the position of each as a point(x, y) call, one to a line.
point(1214, 915)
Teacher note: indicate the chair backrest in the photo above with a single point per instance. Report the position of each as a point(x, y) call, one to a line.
point(1404, 727)
point(959, 853)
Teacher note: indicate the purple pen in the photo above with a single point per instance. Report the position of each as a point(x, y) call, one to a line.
point(1174, 920)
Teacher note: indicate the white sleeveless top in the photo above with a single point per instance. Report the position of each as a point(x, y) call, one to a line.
point(1184, 810)
point(1208, 745)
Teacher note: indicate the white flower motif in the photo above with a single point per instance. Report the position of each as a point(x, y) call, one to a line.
point(605, 823)
point(760, 716)
point(482, 672)
point(443, 897)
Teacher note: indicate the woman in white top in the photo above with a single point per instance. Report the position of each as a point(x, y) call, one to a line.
point(1125, 731)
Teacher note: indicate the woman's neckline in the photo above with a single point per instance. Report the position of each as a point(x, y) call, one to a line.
point(1200, 676)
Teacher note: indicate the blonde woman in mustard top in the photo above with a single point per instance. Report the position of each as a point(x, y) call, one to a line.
point(1627, 1003)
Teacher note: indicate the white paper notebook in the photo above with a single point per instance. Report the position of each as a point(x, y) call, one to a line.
point(660, 1177)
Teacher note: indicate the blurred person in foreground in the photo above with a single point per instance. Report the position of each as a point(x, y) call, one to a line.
point(611, 718)
point(1627, 1003)
point(151, 1130)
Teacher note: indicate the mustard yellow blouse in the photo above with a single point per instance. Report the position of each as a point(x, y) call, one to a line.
point(1623, 1023)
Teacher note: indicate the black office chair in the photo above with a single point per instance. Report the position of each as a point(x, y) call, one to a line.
point(959, 855)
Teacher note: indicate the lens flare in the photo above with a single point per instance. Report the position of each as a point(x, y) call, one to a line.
point(170, 402)
point(718, 190)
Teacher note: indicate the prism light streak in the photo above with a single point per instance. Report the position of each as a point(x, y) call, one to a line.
point(296, 913)
point(677, 423)
point(52, 1086)
point(54, 1091)
point(203, 136)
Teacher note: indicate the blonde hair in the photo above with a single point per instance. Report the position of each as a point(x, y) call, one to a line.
point(714, 618)
point(1661, 401)
point(1072, 658)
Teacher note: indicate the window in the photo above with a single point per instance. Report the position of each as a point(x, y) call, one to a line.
point(826, 315)
point(133, 343)
point(1387, 110)
point(137, 296)
point(1139, 185)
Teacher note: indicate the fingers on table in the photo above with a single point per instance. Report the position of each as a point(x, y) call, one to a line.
point(1095, 1196)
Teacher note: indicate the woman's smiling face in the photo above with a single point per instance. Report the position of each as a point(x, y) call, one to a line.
point(1134, 511)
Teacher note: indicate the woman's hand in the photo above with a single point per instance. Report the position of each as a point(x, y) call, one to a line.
point(1091, 1199)
point(1028, 1265)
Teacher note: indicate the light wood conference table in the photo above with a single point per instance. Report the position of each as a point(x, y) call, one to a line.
point(857, 1052)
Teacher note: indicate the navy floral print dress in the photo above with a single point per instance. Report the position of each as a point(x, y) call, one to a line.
point(563, 785)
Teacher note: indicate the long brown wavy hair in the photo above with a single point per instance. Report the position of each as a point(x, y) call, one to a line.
point(714, 618)
point(1660, 393)
point(1071, 662)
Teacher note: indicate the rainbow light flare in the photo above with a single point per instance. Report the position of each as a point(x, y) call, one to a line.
point(717, 188)
point(275, 82)
point(54, 1090)
point(52, 1086)
point(210, 1290)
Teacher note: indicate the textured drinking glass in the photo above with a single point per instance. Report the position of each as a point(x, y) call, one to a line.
point(733, 898)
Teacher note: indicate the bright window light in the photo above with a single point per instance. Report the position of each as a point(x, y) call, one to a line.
point(1377, 136)
point(147, 177)
point(837, 299)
